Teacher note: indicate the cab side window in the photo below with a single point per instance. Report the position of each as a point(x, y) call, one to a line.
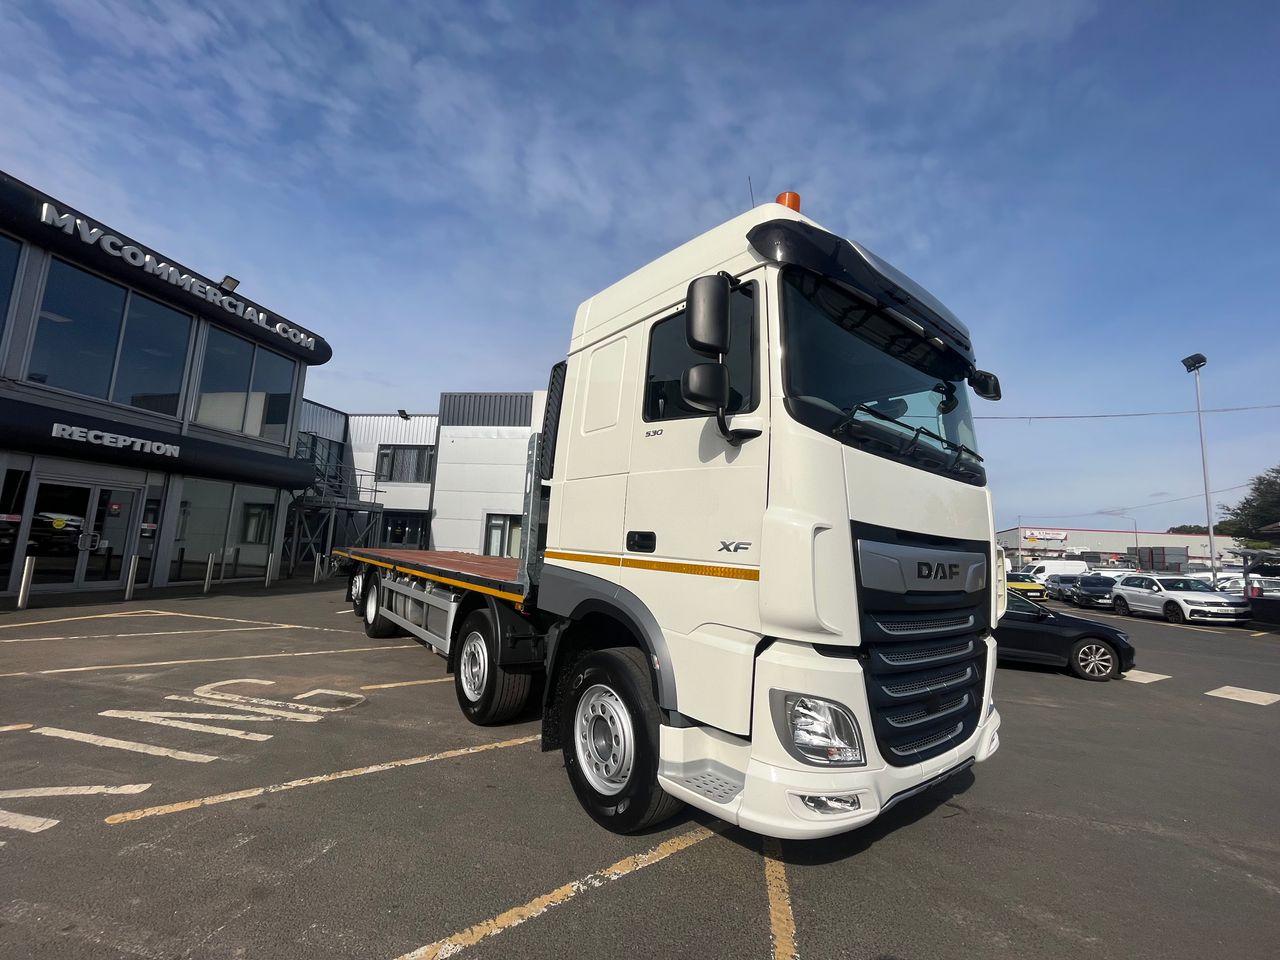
point(670, 356)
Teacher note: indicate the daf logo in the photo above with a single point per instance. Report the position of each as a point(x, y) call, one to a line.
point(937, 571)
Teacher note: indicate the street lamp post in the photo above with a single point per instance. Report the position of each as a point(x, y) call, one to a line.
point(1193, 364)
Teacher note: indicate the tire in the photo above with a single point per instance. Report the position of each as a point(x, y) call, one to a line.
point(1173, 613)
point(355, 591)
point(487, 692)
point(376, 625)
point(1094, 659)
point(610, 696)
point(1121, 606)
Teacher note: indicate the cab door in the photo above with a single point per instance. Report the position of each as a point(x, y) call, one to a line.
point(695, 508)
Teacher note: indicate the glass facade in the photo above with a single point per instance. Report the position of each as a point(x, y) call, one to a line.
point(233, 521)
point(13, 497)
point(153, 357)
point(76, 336)
point(9, 251)
point(245, 388)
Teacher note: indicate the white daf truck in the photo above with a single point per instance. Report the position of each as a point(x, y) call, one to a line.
point(764, 576)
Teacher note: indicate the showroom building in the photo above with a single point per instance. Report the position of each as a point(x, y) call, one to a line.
point(145, 409)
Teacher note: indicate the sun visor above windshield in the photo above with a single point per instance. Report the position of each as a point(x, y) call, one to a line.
point(804, 245)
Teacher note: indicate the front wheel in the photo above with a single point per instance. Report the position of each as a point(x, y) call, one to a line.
point(611, 744)
point(1173, 613)
point(487, 691)
point(1121, 606)
point(1094, 659)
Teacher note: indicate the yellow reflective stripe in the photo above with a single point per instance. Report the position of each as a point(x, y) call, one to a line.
point(582, 557)
point(663, 566)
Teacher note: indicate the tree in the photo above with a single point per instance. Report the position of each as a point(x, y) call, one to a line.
point(1188, 528)
point(1257, 508)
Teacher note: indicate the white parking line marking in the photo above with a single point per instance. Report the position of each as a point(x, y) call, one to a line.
point(91, 616)
point(1141, 676)
point(28, 824)
point(175, 719)
point(405, 683)
point(131, 745)
point(1244, 695)
point(469, 937)
point(16, 726)
point(174, 663)
point(782, 922)
point(168, 808)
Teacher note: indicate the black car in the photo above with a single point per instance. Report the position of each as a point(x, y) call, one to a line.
point(1093, 651)
point(1058, 585)
point(1091, 591)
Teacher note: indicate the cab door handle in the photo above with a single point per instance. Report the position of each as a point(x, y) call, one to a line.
point(641, 541)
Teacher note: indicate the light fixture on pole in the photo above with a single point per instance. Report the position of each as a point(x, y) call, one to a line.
point(1194, 363)
point(1137, 558)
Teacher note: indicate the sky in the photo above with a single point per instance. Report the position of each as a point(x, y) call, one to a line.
point(1093, 188)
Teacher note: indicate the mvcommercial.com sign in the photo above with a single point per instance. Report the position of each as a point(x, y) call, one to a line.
point(112, 245)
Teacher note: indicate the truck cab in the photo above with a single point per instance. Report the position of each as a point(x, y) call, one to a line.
point(766, 481)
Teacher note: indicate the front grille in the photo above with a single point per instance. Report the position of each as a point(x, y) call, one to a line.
point(915, 625)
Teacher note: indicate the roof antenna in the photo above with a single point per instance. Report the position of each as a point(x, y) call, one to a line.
point(753, 192)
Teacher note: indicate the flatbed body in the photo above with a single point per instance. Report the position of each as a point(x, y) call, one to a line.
point(495, 576)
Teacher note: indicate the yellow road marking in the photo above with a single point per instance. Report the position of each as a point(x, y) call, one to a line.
point(782, 922)
point(174, 663)
point(131, 815)
point(16, 726)
point(469, 937)
point(405, 683)
point(90, 616)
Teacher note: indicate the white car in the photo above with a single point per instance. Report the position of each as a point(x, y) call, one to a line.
point(1177, 599)
point(1268, 585)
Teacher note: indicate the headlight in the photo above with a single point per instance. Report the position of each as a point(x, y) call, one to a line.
point(1122, 637)
point(817, 731)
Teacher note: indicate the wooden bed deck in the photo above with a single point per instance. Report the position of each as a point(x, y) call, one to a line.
point(498, 576)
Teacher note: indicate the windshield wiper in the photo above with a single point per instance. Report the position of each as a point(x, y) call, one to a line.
point(908, 444)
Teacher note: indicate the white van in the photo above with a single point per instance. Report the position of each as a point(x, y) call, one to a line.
point(1042, 568)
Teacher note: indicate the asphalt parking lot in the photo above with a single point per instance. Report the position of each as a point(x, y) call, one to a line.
point(252, 777)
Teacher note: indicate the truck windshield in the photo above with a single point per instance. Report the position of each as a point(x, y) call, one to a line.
point(855, 372)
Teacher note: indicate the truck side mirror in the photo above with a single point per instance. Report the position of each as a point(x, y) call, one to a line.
point(707, 316)
point(705, 386)
point(986, 385)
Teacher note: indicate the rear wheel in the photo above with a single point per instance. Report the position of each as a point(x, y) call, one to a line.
point(355, 592)
point(487, 692)
point(1173, 613)
point(375, 624)
point(1094, 659)
point(1121, 606)
point(610, 746)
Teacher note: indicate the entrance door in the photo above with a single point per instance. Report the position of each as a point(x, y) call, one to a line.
point(81, 535)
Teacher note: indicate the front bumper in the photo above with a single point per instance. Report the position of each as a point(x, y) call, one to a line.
point(1220, 614)
point(771, 783)
point(1090, 601)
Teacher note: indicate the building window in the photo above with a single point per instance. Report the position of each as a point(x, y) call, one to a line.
point(9, 250)
point(153, 357)
point(501, 535)
point(96, 338)
point(244, 388)
point(405, 464)
point(13, 501)
point(405, 530)
point(79, 327)
point(670, 356)
point(234, 522)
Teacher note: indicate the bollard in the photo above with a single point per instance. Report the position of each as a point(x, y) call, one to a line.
point(208, 574)
point(24, 591)
point(131, 577)
point(266, 581)
point(315, 572)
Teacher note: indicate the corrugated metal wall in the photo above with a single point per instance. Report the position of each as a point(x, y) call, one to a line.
point(486, 409)
point(322, 421)
point(372, 429)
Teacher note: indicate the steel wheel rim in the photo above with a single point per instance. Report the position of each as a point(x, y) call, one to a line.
point(473, 666)
point(1095, 660)
point(604, 740)
point(371, 606)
